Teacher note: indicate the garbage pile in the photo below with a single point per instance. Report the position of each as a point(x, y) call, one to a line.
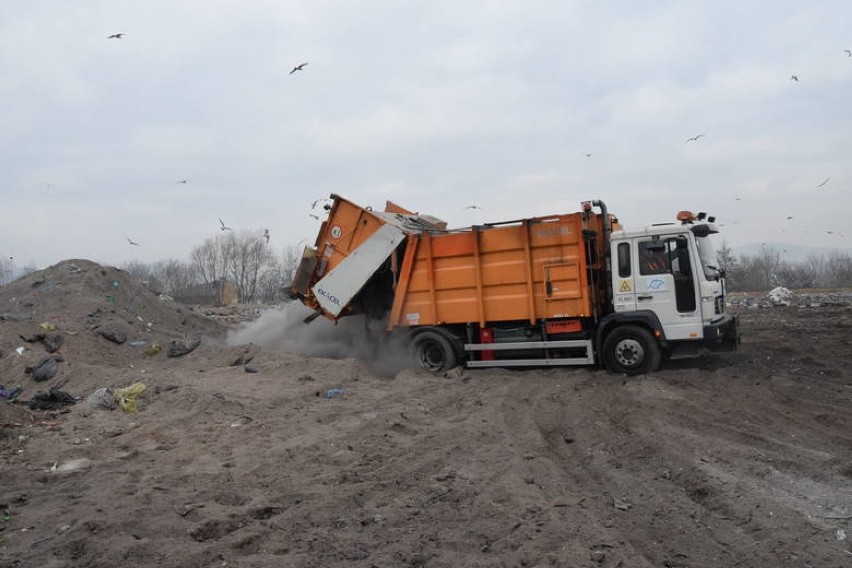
point(781, 296)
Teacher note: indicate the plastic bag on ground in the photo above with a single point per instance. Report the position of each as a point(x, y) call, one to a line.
point(126, 397)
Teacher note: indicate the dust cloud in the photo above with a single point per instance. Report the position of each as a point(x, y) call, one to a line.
point(356, 337)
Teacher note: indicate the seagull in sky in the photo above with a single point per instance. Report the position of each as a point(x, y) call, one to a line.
point(224, 228)
point(694, 138)
point(266, 235)
point(825, 181)
point(131, 242)
point(789, 217)
point(115, 36)
point(473, 207)
point(183, 181)
point(794, 78)
point(314, 216)
point(588, 154)
point(298, 68)
point(848, 52)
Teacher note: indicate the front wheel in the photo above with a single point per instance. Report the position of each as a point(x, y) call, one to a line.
point(631, 350)
point(434, 352)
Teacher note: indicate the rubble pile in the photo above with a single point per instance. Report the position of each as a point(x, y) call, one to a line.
point(781, 296)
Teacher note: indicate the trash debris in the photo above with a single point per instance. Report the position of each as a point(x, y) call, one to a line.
point(51, 400)
point(14, 393)
point(153, 349)
point(110, 299)
point(840, 534)
point(46, 368)
point(250, 369)
point(126, 397)
point(20, 350)
point(114, 335)
point(53, 341)
point(620, 505)
point(331, 393)
point(138, 343)
point(459, 373)
point(180, 348)
point(241, 360)
point(780, 296)
point(46, 326)
point(102, 399)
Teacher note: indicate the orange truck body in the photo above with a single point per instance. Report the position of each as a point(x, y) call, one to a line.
point(532, 269)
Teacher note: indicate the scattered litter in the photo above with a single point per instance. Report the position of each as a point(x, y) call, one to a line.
point(46, 368)
point(115, 284)
point(457, 373)
point(46, 326)
point(72, 465)
point(780, 296)
point(20, 350)
point(126, 397)
point(53, 341)
point(186, 509)
point(250, 369)
point(620, 505)
point(180, 348)
point(331, 393)
point(241, 421)
point(114, 335)
point(165, 298)
point(241, 360)
point(138, 343)
point(153, 349)
point(14, 393)
point(110, 299)
point(102, 398)
point(840, 534)
point(51, 400)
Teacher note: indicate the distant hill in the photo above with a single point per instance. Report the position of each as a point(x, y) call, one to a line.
point(789, 252)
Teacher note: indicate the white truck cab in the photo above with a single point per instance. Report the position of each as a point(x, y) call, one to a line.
point(667, 273)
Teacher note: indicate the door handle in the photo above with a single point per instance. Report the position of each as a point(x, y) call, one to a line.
point(644, 297)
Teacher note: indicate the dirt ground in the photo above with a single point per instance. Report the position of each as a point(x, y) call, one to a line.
point(739, 459)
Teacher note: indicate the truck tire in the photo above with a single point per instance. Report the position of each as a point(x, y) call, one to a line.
point(631, 350)
point(434, 352)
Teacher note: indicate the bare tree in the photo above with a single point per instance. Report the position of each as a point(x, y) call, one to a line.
point(242, 258)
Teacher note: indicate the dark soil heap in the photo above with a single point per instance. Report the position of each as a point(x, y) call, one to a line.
point(81, 313)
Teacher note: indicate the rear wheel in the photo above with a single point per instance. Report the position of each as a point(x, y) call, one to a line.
point(434, 351)
point(631, 350)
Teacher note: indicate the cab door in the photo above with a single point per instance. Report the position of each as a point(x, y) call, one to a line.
point(623, 283)
point(666, 284)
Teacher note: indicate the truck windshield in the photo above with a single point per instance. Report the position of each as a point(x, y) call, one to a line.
point(707, 255)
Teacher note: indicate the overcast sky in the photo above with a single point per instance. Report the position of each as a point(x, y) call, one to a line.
point(436, 105)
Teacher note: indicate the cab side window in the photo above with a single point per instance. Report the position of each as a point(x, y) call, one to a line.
point(623, 260)
point(653, 258)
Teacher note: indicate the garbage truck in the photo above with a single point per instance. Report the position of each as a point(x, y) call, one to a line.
point(565, 289)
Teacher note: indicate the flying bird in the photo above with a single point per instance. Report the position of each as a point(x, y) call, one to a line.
point(848, 52)
point(298, 68)
point(266, 235)
point(789, 217)
point(588, 154)
point(825, 181)
point(473, 207)
point(738, 198)
point(224, 228)
point(131, 242)
point(115, 36)
point(794, 78)
point(314, 216)
point(694, 138)
point(183, 181)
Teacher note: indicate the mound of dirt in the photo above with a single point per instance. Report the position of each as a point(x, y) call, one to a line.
point(83, 315)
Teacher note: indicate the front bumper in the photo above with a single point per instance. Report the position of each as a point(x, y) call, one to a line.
point(723, 334)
